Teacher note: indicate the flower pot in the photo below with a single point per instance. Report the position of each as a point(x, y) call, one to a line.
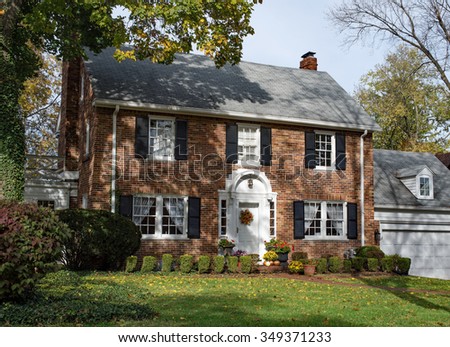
point(309, 269)
point(283, 257)
point(276, 262)
point(267, 263)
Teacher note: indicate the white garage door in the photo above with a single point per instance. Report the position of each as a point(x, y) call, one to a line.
point(429, 251)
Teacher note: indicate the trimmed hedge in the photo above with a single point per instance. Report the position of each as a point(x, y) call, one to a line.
point(372, 264)
point(167, 262)
point(347, 265)
point(100, 240)
point(186, 263)
point(131, 263)
point(336, 264)
point(403, 265)
point(299, 256)
point(31, 241)
point(321, 266)
point(232, 264)
point(219, 263)
point(148, 264)
point(246, 264)
point(204, 263)
point(370, 252)
point(387, 264)
point(358, 263)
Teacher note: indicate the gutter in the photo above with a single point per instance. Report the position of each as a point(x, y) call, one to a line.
point(194, 111)
point(114, 157)
point(362, 186)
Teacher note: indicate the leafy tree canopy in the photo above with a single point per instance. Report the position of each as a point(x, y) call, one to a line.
point(410, 106)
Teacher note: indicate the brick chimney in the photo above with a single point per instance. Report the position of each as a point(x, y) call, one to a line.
point(309, 62)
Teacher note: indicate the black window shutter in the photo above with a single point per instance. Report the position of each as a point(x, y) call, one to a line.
point(141, 137)
point(310, 150)
point(352, 221)
point(194, 218)
point(266, 146)
point(341, 160)
point(181, 139)
point(299, 220)
point(232, 143)
point(126, 206)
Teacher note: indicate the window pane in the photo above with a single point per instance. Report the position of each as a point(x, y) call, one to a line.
point(335, 219)
point(161, 144)
point(144, 214)
point(173, 216)
point(424, 186)
point(324, 149)
point(312, 218)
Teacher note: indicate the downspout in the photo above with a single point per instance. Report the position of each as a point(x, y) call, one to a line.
point(113, 162)
point(362, 185)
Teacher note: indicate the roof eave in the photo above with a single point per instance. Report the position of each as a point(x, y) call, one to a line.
point(172, 109)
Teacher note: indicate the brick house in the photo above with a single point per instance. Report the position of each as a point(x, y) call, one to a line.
point(183, 149)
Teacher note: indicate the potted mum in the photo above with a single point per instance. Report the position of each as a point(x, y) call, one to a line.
point(269, 258)
point(281, 248)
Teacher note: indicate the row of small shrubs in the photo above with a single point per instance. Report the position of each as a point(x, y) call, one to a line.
point(368, 258)
point(187, 264)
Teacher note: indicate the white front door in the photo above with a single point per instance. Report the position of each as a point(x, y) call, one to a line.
point(249, 236)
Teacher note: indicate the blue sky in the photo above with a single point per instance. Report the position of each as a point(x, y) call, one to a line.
point(286, 29)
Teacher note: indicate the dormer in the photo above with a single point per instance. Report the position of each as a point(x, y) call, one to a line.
point(419, 181)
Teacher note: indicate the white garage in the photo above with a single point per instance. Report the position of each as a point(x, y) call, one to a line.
point(414, 214)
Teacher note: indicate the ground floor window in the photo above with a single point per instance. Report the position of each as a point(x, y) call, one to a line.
point(223, 217)
point(161, 216)
point(324, 219)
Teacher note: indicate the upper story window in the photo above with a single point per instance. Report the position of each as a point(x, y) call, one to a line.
point(325, 150)
point(324, 220)
point(161, 138)
point(418, 180)
point(161, 217)
point(249, 145)
point(425, 186)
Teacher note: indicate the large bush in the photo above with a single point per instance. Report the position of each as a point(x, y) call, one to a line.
point(100, 240)
point(31, 241)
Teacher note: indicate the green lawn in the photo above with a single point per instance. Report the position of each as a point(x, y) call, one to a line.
point(119, 299)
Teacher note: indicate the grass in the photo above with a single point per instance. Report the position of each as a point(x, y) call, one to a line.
point(121, 299)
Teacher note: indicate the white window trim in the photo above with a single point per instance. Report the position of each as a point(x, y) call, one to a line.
point(258, 144)
point(159, 215)
point(333, 150)
point(430, 179)
point(220, 217)
point(88, 137)
point(323, 222)
point(172, 154)
point(274, 201)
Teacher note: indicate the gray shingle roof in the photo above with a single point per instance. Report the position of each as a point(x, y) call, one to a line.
point(192, 81)
point(389, 190)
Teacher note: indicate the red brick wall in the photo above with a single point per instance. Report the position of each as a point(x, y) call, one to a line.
point(207, 136)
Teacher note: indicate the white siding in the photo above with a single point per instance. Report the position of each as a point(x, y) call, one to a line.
point(410, 183)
